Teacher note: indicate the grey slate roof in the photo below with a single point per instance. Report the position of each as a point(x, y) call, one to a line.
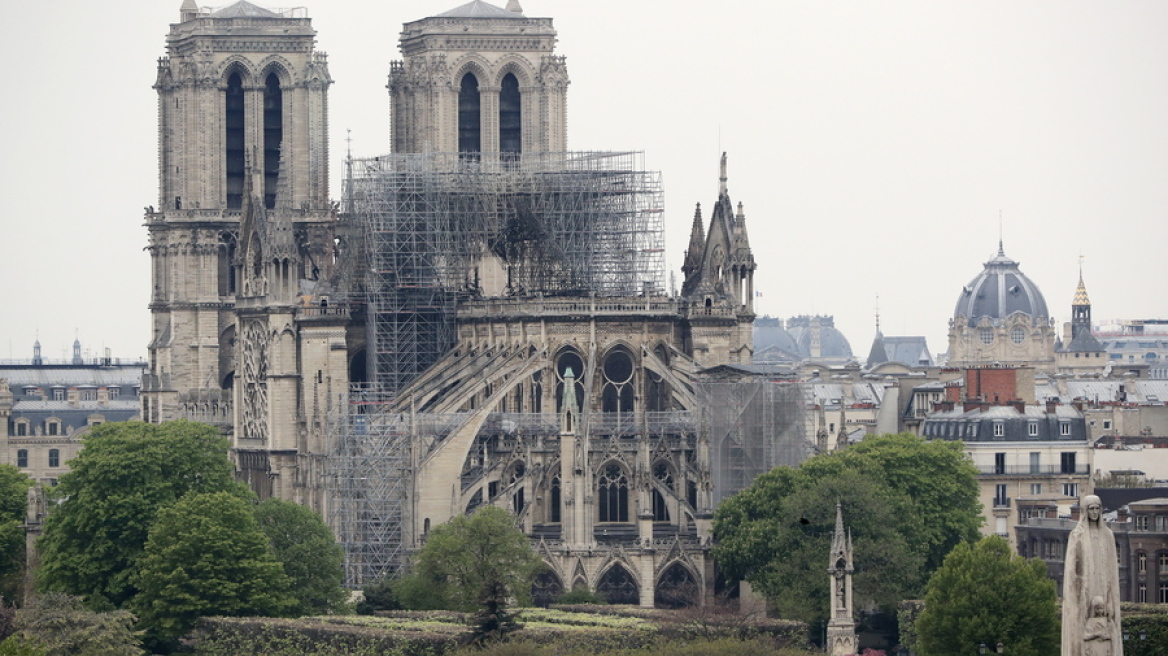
point(978, 425)
point(479, 9)
point(908, 350)
point(245, 9)
point(1000, 290)
point(1083, 342)
point(1139, 391)
point(126, 376)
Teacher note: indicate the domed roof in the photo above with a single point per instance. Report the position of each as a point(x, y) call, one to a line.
point(771, 340)
point(999, 291)
point(807, 330)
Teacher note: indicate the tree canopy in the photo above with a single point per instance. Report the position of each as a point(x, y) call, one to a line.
point(906, 502)
point(941, 484)
point(126, 473)
point(470, 557)
point(206, 555)
point(57, 623)
point(311, 557)
point(985, 594)
point(14, 486)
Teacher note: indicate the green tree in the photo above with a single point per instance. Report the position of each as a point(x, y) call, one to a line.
point(57, 624)
point(206, 555)
point(468, 558)
point(125, 474)
point(311, 557)
point(984, 593)
point(14, 486)
point(941, 484)
point(777, 535)
point(905, 500)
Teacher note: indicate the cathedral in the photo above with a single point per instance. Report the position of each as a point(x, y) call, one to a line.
point(481, 319)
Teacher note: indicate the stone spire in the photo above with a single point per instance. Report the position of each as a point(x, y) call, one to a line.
point(1081, 291)
point(722, 177)
point(513, 6)
point(1081, 339)
point(697, 244)
point(841, 629)
point(568, 416)
point(878, 353)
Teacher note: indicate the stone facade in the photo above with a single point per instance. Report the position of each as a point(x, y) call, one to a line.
point(573, 407)
point(1029, 457)
point(841, 628)
point(1141, 539)
point(479, 78)
point(242, 241)
point(47, 407)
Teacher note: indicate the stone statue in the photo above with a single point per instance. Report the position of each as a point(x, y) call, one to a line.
point(35, 510)
point(1091, 625)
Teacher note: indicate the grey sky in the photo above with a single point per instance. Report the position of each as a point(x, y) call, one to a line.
point(873, 144)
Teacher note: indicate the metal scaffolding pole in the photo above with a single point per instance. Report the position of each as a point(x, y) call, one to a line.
point(439, 228)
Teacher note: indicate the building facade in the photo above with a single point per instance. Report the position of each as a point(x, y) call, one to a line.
point(1030, 458)
point(1141, 538)
point(242, 242)
point(46, 407)
point(484, 321)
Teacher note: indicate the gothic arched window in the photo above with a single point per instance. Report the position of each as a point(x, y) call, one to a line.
point(273, 136)
point(612, 494)
point(469, 125)
point(233, 141)
point(510, 117)
point(617, 395)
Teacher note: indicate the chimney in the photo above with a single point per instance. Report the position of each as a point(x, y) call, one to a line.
point(1051, 406)
point(1075, 512)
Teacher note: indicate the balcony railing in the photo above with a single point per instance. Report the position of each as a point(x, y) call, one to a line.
point(1033, 470)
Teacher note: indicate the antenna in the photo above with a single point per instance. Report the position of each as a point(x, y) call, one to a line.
point(877, 312)
point(1001, 251)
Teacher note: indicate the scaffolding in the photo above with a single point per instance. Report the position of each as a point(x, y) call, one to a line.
point(436, 225)
point(369, 475)
point(433, 227)
point(754, 426)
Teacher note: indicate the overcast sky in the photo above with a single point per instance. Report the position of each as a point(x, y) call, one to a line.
point(874, 145)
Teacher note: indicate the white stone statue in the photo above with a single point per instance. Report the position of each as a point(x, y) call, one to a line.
point(1091, 624)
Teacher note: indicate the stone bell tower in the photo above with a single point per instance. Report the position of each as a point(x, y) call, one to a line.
point(479, 79)
point(242, 238)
